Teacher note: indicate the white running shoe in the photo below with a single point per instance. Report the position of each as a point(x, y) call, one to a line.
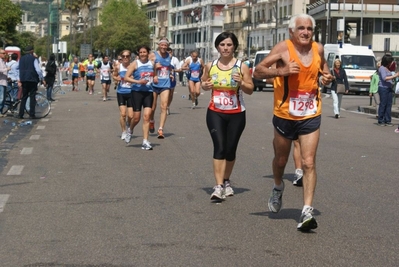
point(276, 199)
point(123, 136)
point(307, 222)
point(218, 193)
point(228, 191)
point(146, 145)
point(298, 177)
point(128, 137)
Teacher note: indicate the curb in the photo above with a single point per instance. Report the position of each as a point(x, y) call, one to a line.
point(371, 110)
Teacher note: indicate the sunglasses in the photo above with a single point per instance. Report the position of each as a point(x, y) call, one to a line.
point(125, 56)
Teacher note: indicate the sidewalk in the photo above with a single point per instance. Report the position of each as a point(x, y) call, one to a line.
point(371, 108)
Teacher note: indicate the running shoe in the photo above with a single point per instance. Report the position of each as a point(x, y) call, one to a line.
point(193, 106)
point(217, 193)
point(307, 222)
point(128, 137)
point(196, 101)
point(167, 111)
point(152, 126)
point(160, 134)
point(104, 99)
point(146, 145)
point(123, 136)
point(397, 130)
point(298, 177)
point(228, 190)
point(276, 199)
point(389, 124)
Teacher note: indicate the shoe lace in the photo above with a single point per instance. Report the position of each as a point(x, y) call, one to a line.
point(308, 210)
point(276, 196)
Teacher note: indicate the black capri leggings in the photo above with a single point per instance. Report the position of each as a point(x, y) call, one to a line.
point(225, 130)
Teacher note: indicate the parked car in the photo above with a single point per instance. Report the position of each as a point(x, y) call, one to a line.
point(260, 83)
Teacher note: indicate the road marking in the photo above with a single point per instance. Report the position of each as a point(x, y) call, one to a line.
point(35, 137)
point(44, 120)
point(40, 127)
point(26, 150)
point(16, 170)
point(3, 201)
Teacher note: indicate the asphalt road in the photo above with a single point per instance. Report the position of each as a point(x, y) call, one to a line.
point(72, 193)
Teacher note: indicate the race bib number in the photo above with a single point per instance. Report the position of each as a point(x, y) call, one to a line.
point(125, 84)
point(75, 71)
point(90, 72)
point(163, 72)
point(195, 74)
point(303, 103)
point(105, 74)
point(148, 76)
point(225, 100)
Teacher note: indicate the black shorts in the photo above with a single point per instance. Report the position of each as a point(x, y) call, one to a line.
point(159, 90)
point(74, 78)
point(91, 78)
point(124, 100)
point(142, 99)
point(106, 81)
point(291, 129)
point(82, 74)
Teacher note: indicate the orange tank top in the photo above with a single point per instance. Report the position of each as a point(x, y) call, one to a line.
point(297, 97)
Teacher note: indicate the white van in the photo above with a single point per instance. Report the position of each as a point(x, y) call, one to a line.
point(260, 84)
point(358, 62)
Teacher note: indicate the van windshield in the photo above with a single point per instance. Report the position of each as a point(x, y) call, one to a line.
point(259, 58)
point(358, 62)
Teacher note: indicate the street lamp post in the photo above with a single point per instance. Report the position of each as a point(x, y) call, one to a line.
point(249, 16)
point(70, 29)
point(91, 34)
point(276, 26)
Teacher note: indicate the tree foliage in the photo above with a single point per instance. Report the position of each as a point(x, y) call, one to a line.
point(10, 17)
point(124, 26)
point(36, 12)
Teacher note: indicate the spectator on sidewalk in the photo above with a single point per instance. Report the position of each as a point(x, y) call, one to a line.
point(30, 75)
point(3, 78)
point(373, 91)
point(385, 91)
point(13, 75)
point(51, 70)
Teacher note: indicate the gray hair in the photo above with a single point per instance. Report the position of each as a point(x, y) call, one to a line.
point(292, 23)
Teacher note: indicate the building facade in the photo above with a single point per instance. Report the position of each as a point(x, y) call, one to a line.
point(372, 23)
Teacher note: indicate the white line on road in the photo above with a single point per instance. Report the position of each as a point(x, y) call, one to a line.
point(44, 119)
point(35, 137)
point(3, 201)
point(40, 127)
point(26, 150)
point(16, 170)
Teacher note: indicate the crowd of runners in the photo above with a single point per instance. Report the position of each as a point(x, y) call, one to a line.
point(295, 66)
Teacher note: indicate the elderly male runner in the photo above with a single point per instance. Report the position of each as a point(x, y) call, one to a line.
point(298, 63)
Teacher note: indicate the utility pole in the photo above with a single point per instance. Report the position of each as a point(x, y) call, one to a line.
point(328, 39)
point(361, 26)
point(70, 28)
point(276, 27)
point(249, 16)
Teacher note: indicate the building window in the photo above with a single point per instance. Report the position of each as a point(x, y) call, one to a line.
point(395, 26)
point(386, 26)
point(67, 28)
